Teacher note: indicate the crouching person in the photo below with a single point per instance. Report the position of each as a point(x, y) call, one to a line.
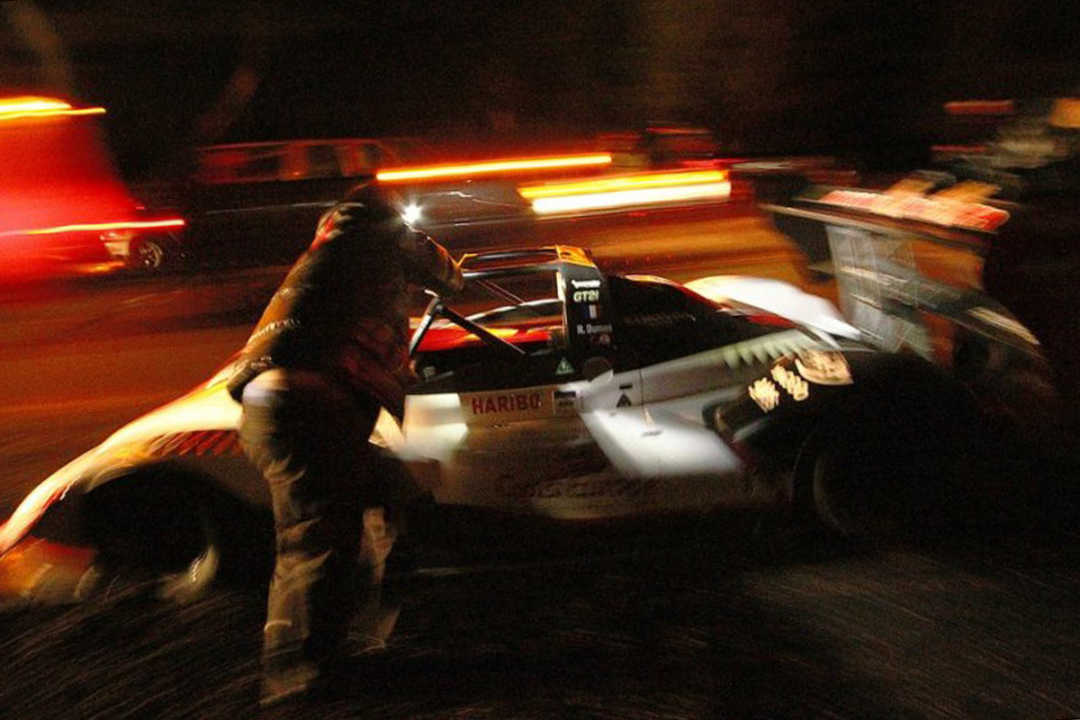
point(329, 351)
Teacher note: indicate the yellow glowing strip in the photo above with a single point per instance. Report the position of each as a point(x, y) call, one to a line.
point(629, 198)
point(623, 182)
point(99, 226)
point(19, 107)
point(493, 166)
point(30, 104)
point(497, 332)
point(52, 113)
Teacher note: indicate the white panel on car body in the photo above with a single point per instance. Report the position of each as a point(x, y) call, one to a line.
point(777, 297)
point(720, 367)
point(525, 449)
point(482, 440)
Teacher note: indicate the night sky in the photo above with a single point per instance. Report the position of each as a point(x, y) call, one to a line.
point(767, 76)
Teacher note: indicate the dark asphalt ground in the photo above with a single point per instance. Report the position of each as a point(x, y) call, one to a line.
point(691, 624)
point(722, 618)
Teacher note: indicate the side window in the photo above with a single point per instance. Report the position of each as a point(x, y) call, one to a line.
point(261, 165)
point(322, 161)
point(451, 359)
point(368, 157)
point(220, 165)
point(656, 322)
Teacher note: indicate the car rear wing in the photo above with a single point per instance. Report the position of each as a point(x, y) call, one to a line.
point(581, 286)
point(881, 289)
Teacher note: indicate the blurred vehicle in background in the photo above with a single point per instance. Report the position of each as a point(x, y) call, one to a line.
point(662, 145)
point(63, 208)
point(258, 203)
point(775, 179)
point(448, 196)
point(1028, 149)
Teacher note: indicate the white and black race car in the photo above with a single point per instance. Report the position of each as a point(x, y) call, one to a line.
point(603, 397)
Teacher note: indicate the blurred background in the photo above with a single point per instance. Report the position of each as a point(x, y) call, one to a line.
point(867, 79)
point(163, 161)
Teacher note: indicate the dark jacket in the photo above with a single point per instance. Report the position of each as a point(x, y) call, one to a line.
point(343, 307)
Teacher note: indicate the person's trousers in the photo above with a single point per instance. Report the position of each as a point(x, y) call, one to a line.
point(308, 435)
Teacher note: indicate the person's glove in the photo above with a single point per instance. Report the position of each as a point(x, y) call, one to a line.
point(456, 283)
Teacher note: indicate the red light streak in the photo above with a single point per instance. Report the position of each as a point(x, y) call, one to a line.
point(85, 227)
point(980, 107)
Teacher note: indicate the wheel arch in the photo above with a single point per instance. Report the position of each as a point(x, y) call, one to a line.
point(900, 405)
point(170, 510)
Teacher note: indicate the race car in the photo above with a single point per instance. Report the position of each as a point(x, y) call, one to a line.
point(580, 397)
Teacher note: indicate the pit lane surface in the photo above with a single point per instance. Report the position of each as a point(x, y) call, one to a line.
point(686, 621)
point(696, 625)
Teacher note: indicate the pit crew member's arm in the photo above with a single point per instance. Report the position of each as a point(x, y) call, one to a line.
point(427, 263)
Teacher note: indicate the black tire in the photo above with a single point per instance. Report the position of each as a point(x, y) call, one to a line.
point(148, 254)
point(172, 533)
point(890, 462)
point(849, 492)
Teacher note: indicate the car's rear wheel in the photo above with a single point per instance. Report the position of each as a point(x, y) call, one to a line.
point(889, 465)
point(850, 490)
point(171, 533)
point(147, 255)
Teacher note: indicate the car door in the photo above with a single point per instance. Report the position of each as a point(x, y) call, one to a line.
point(692, 357)
point(506, 434)
point(511, 434)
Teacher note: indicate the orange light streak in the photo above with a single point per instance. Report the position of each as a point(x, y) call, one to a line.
point(28, 106)
point(82, 227)
point(492, 166)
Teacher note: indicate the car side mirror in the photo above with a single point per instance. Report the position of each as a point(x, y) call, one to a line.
point(595, 367)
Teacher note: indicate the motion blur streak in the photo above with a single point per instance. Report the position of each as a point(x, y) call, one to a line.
point(492, 166)
point(622, 182)
point(627, 191)
point(980, 107)
point(28, 106)
point(133, 225)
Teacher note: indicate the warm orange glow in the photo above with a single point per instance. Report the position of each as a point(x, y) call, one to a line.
point(627, 191)
point(461, 170)
point(980, 107)
point(970, 149)
point(39, 564)
point(31, 104)
point(939, 209)
point(28, 106)
point(82, 227)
